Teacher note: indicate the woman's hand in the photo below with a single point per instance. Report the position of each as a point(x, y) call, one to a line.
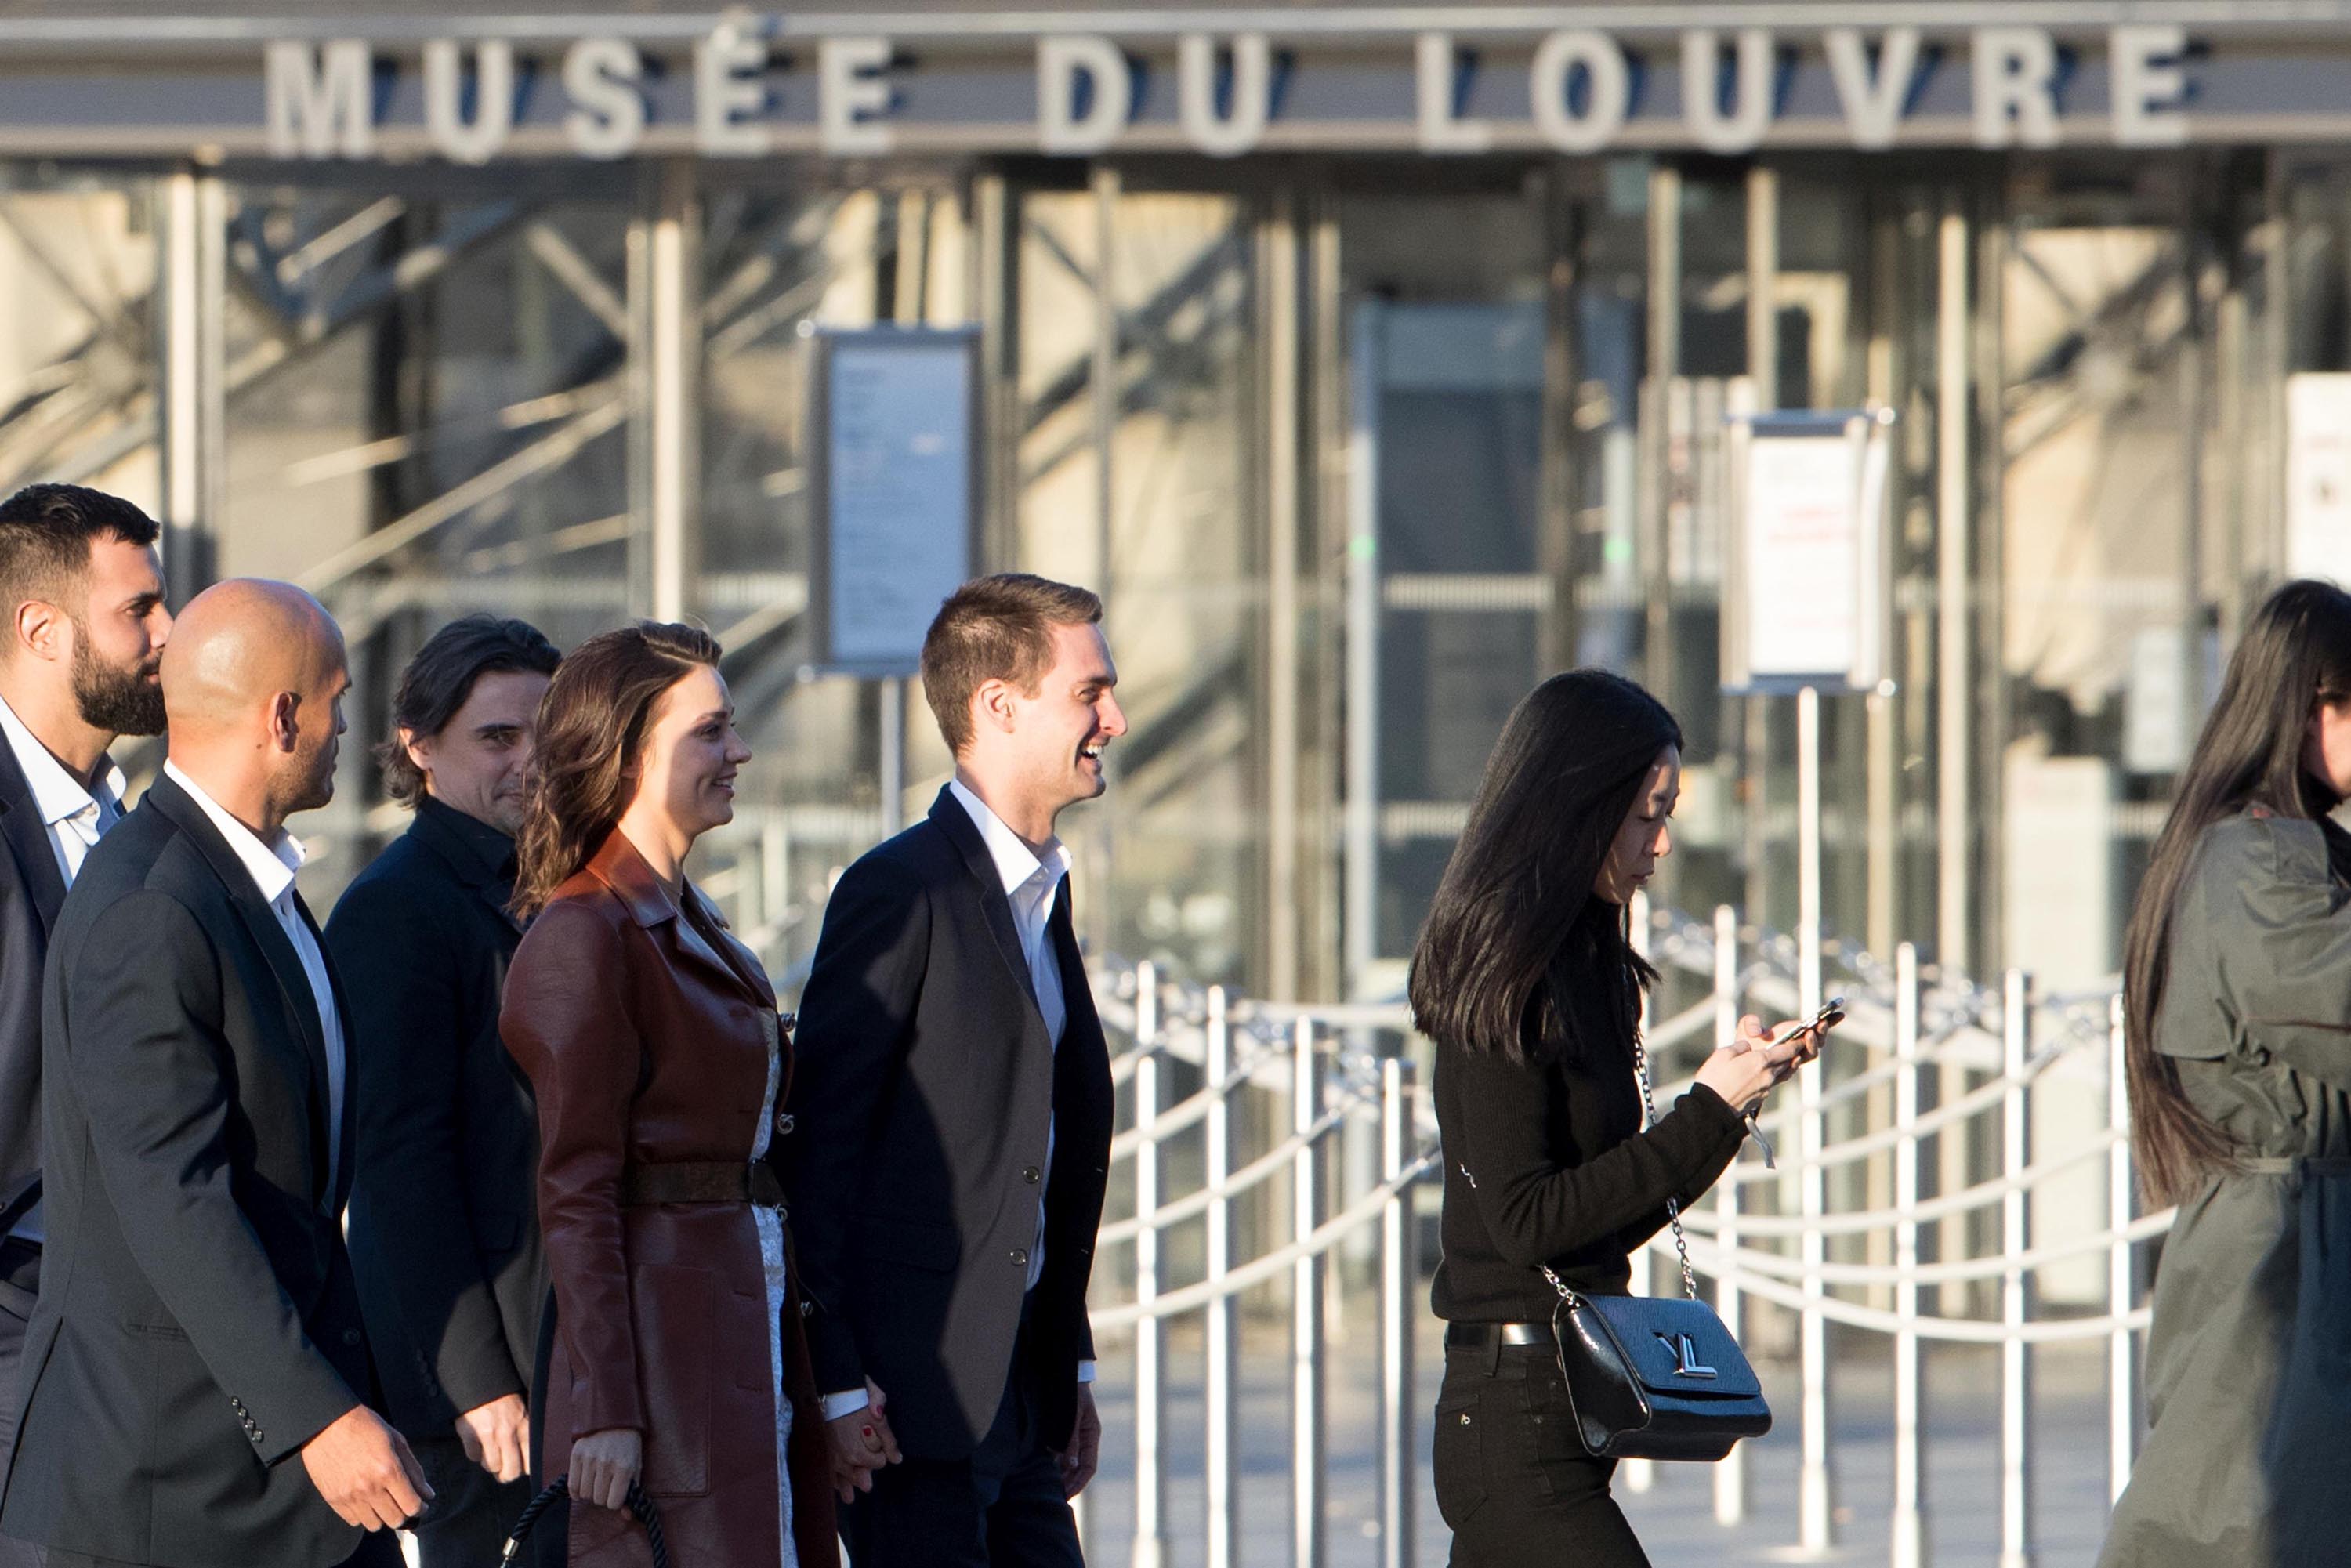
point(605, 1465)
point(1754, 1063)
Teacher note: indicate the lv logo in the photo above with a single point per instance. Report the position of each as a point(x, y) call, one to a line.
point(1686, 1362)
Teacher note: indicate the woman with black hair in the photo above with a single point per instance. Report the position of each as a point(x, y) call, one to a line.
point(2237, 1042)
point(1527, 981)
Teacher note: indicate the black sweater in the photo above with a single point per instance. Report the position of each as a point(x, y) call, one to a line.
point(1548, 1164)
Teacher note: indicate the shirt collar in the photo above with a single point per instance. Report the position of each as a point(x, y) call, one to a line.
point(271, 867)
point(57, 793)
point(1014, 863)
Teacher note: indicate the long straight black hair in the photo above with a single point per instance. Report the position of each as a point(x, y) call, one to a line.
point(1520, 956)
point(2295, 654)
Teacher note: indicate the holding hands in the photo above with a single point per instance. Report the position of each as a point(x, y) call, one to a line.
point(862, 1444)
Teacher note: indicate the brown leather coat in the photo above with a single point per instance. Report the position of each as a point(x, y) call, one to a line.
point(645, 1051)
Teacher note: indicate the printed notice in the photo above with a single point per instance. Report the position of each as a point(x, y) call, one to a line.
point(898, 501)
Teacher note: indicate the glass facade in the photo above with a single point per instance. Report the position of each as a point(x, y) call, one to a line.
point(1355, 452)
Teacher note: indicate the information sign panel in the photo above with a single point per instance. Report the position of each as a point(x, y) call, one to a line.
point(894, 446)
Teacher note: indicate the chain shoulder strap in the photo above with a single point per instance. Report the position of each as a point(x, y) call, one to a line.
point(1673, 1207)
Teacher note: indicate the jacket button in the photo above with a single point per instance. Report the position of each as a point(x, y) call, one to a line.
point(808, 1309)
point(351, 1336)
point(1032, 1175)
point(1020, 1257)
point(784, 1122)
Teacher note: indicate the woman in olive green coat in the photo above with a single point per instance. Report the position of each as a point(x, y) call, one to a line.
point(2237, 1001)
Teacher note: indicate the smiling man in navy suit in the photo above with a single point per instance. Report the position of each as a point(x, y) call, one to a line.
point(951, 1112)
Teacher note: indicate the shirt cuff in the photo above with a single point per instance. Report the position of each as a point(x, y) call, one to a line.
point(1085, 1372)
point(847, 1403)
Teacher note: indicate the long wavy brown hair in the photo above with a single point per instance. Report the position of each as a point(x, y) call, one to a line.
point(2295, 654)
point(592, 732)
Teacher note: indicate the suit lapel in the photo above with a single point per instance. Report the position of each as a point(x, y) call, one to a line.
point(996, 908)
point(29, 839)
point(260, 923)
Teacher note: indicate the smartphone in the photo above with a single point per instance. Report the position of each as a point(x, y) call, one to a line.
point(1832, 1013)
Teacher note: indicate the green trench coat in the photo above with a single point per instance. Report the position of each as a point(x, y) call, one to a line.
point(2249, 1364)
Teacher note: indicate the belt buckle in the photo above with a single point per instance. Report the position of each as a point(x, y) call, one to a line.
point(764, 1187)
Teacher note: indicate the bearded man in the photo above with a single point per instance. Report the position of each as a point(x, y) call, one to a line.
point(79, 656)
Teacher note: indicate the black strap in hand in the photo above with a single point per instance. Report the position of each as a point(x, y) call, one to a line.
point(639, 1504)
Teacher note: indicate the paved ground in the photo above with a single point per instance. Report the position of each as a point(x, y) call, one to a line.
point(1676, 1518)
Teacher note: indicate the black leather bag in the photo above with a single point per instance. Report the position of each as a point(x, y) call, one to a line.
point(1655, 1377)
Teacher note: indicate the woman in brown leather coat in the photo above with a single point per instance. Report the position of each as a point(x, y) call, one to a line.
point(651, 1037)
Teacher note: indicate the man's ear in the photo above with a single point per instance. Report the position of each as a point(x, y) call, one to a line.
point(284, 728)
point(44, 630)
point(417, 749)
point(991, 705)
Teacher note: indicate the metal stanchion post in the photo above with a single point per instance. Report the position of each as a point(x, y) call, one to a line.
point(1730, 1474)
point(1640, 1475)
point(1909, 1544)
point(1152, 1545)
point(1306, 1328)
point(1816, 1507)
point(1224, 1311)
point(2122, 1364)
point(2015, 1233)
point(1399, 1277)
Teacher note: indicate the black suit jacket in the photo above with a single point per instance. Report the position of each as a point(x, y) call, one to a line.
point(198, 1320)
point(920, 1101)
point(32, 890)
point(443, 1234)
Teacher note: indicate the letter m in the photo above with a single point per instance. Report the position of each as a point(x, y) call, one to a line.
point(320, 100)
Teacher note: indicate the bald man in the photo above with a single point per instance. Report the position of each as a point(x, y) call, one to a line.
point(198, 1369)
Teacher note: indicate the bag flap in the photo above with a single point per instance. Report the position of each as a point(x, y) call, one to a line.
point(1678, 1347)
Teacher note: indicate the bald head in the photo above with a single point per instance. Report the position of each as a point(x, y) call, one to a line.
point(253, 683)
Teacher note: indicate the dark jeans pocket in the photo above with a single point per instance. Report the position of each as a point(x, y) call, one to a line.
point(1458, 1465)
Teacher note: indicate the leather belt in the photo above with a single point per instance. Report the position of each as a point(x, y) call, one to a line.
point(702, 1181)
point(1478, 1336)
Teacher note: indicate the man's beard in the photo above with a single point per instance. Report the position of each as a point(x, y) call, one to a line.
point(123, 702)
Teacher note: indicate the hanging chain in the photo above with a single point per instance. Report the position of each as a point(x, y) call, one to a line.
point(1673, 1207)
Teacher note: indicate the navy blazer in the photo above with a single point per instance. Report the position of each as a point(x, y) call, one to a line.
point(32, 891)
point(198, 1320)
point(443, 1233)
point(920, 1101)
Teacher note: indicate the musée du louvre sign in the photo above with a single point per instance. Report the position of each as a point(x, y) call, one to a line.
point(748, 86)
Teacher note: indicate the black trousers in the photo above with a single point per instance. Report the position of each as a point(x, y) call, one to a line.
point(1513, 1481)
point(20, 1283)
point(1002, 1508)
point(466, 1525)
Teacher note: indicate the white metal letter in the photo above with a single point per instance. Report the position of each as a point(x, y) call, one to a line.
point(1873, 106)
point(1060, 60)
point(850, 83)
point(2150, 80)
point(1434, 62)
point(725, 86)
point(1742, 130)
point(1227, 135)
point(445, 112)
point(1608, 88)
point(321, 102)
point(2016, 71)
point(608, 117)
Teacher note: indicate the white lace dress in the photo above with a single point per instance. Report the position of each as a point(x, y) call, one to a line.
point(772, 1254)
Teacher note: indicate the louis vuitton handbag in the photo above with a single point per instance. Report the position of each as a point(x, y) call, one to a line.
point(1655, 1377)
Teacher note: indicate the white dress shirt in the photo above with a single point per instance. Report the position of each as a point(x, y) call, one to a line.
point(75, 819)
point(1032, 885)
point(272, 867)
